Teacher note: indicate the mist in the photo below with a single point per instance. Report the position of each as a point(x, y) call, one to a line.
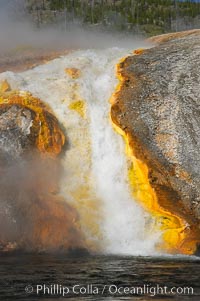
point(18, 32)
point(32, 215)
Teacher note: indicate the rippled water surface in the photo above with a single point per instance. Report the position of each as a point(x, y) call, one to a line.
point(97, 277)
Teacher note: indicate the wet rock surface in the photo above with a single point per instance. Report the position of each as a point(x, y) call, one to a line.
point(26, 58)
point(158, 107)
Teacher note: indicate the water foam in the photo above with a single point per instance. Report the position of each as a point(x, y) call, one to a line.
point(95, 167)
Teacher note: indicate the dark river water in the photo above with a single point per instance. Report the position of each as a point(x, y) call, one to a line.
point(35, 277)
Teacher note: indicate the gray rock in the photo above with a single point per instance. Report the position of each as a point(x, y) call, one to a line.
point(16, 137)
point(159, 106)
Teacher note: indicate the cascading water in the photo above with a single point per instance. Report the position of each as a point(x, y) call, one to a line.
point(95, 177)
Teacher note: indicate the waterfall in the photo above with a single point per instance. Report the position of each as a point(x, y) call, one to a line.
point(95, 177)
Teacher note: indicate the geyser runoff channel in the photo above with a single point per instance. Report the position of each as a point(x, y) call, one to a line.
point(95, 177)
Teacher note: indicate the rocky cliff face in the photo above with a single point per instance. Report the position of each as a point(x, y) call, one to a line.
point(158, 108)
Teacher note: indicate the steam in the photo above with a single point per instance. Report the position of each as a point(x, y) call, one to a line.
point(20, 34)
point(32, 215)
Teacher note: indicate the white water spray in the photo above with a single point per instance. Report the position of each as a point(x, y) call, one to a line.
point(95, 177)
